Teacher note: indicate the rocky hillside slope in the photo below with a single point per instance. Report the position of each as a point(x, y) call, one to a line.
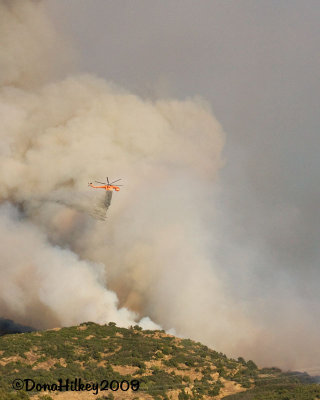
point(134, 364)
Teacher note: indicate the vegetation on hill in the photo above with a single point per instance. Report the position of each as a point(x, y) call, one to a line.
point(281, 392)
point(165, 366)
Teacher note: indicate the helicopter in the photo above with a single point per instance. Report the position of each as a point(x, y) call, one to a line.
point(109, 186)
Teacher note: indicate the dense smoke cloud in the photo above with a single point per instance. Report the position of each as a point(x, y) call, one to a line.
point(7, 326)
point(153, 259)
point(57, 260)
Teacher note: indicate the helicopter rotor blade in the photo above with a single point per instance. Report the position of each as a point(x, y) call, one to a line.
point(115, 181)
point(103, 183)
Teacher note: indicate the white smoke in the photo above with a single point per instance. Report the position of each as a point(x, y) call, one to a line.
point(58, 135)
point(36, 274)
point(152, 259)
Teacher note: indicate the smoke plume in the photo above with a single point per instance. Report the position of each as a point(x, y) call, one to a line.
point(7, 326)
point(60, 266)
point(151, 261)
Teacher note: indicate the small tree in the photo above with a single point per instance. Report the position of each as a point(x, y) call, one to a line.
point(241, 360)
point(251, 365)
point(137, 328)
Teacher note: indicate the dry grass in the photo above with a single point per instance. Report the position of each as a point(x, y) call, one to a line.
point(125, 369)
point(11, 359)
point(229, 388)
point(50, 363)
point(82, 327)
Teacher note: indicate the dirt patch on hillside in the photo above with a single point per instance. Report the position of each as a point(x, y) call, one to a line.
point(32, 357)
point(50, 363)
point(125, 369)
point(90, 337)
point(230, 387)
point(82, 327)
point(11, 359)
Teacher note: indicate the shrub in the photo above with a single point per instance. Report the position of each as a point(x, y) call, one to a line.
point(183, 395)
point(251, 365)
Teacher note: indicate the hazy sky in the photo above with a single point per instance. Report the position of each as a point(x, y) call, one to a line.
point(257, 63)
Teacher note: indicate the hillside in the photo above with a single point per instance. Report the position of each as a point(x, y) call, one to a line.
point(146, 365)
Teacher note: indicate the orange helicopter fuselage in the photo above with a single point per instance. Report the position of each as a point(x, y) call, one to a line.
point(106, 187)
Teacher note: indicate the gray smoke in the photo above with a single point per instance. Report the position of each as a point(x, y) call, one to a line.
point(154, 259)
point(60, 266)
point(7, 326)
